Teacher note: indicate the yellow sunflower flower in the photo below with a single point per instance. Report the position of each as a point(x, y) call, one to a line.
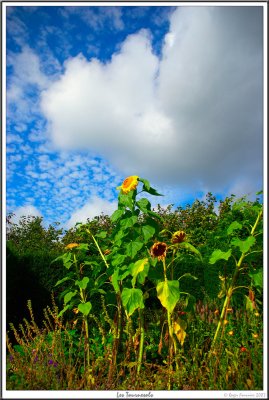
point(71, 246)
point(129, 184)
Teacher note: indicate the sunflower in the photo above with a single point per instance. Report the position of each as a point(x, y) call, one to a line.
point(159, 250)
point(71, 246)
point(178, 237)
point(129, 184)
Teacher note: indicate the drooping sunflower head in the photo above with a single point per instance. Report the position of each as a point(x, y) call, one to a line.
point(159, 250)
point(178, 237)
point(129, 184)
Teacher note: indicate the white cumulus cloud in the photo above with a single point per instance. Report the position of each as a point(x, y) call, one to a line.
point(93, 208)
point(192, 117)
point(27, 211)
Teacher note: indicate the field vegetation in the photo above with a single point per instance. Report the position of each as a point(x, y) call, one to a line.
point(147, 299)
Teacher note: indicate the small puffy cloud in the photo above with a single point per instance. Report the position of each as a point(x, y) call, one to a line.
point(27, 211)
point(93, 208)
point(192, 118)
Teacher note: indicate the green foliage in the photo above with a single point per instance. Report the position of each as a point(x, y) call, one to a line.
point(168, 294)
point(132, 299)
point(132, 304)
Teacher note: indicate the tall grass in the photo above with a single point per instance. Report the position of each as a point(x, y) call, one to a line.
point(53, 356)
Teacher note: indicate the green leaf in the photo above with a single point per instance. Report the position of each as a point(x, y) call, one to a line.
point(57, 259)
point(146, 184)
point(64, 310)
point(188, 275)
point(139, 270)
point(249, 304)
point(257, 278)
point(123, 275)
point(220, 255)
point(244, 245)
point(132, 299)
point(83, 246)
point(128, 222)
point(83, 283)
point(69, 296)
point(118, 259)
point(119, 236)
point(147, 188)
point(117, 215)
point(143, 204)
point(67, 278)
point(119, 275)
point(101, 235)
point(154, 192)
point(147, 231)
point(168, 294)
point(132, 248)
point(115, 279)
point(85, 308)
point(190, 247)
point(67, 260)
point(127, 199)
point(233, 226)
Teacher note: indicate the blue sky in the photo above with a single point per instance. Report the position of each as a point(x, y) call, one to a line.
point(97, 93)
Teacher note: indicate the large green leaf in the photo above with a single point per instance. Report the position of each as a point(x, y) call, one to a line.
point(147, 231)
point(119, 236)
point(66, 278)
point(147, 188)
point(139, 270)
point(168, 294)
point(115, 279)
point(64, 310)
point(69, 296)
point(116, 215)
point(85, 308)
point(132, 299)
point(66, 258)
point(132, 248)
point(220, 255)
point(118, 259)
point(190, 247)
point(101, 235)
point(143, 204)
point(244, 245)
point(83, 283)
point(127, 199)
point(257, 278)
point(83, 246)
point(233, 226)
point(128, 222)
point(146, 184)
